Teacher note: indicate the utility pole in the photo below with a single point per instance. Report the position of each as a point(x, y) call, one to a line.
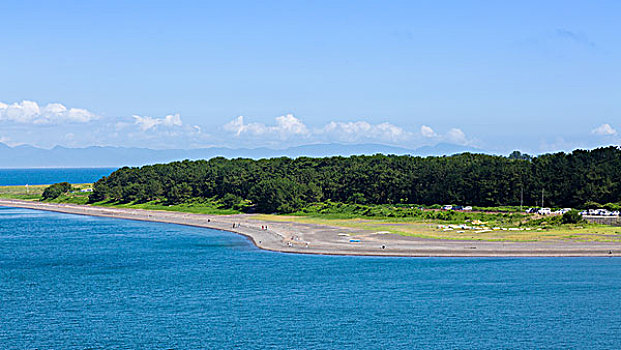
point(521, 197)
point(542, 197)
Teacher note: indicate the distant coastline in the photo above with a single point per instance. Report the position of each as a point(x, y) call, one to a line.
point(291, 237)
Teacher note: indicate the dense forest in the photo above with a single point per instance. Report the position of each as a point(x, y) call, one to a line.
point(285, 185)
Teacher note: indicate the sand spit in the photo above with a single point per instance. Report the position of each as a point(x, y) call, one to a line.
point(327, 240)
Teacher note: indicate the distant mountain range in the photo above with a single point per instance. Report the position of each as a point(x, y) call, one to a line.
point(95, 156)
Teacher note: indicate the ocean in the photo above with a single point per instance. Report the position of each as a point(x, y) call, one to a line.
point(16, 177)
point(77, 282)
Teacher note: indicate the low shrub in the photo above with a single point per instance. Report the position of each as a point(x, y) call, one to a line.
point(571, 217)
point(56, 190)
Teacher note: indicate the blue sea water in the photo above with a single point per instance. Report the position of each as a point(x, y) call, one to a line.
point(77, 282)
point(11, 177)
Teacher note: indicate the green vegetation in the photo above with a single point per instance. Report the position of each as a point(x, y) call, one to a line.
point(35, 192)
point(196, 207)
point(607, 206)
point(404, 212)
point(283, 185)
point(56, 190)
point(32, 192)
point(571, 217)
point(375, 192)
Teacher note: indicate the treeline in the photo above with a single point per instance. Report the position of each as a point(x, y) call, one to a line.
point(285, 185)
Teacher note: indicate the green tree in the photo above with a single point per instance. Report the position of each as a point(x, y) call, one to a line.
point(230, 200)
point(56, 190)
point(519, 155)
point(276, 195)
point(179, 193)
point(357, 198)
point(571, 217)
point(283, 184)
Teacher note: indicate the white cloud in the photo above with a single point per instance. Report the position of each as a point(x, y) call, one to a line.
point(79, 127)
point(80, 115)
point(454, 135)
point(427, 131)
point(29, 112)
point(604, 130)
point(55, 124)
point(361, 130)
point(7, 141)
point(165, 132)
point(236, 125)
point(457, 136)
point(290, 125)
point(292, 129)
point(286, 126)
point(147, 123)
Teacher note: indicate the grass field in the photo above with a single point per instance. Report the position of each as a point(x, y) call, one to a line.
point(33, 192)
point(588, 232)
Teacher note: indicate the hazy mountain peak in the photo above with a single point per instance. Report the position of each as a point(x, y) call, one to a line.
point(26, 156)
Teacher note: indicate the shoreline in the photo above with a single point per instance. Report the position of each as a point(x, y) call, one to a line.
point(290, 237)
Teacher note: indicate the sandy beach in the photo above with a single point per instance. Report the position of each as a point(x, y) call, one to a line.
point(320, 239)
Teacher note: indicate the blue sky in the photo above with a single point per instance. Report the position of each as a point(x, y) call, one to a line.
point(530, 75)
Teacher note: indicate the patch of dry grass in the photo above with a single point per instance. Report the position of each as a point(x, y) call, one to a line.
point(588, 233)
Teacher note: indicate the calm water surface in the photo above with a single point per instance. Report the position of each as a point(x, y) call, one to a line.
point(74, 282)
point(11, 177)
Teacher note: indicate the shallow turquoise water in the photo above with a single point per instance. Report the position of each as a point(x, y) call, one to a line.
point(74, 282)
